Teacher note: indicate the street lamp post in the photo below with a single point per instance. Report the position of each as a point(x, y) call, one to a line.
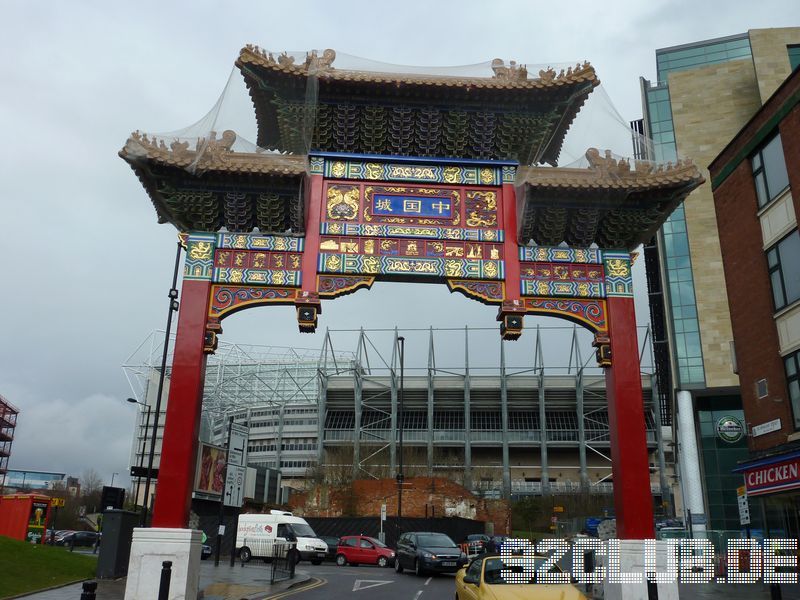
point(112, 479)
point(173, 307)
point(141, 460)
point(401, 340)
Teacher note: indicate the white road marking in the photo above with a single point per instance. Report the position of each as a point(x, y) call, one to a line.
point(364, 584)
point(427, 581)
point(419, 593)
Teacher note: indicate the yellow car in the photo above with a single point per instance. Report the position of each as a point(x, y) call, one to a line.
point(482, 580)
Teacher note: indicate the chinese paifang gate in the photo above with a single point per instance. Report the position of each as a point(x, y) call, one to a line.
point(362, 176)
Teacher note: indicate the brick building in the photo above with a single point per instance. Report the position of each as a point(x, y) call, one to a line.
point(756, 187)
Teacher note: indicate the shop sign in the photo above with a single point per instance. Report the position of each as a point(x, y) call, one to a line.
point(776, 477)
point(768, 427)
point(730, 429)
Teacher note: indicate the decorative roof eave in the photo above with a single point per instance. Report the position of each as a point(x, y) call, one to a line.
point(211, 162)
point(509, 84)
point(211, 156)
point(608, 200)
point(610, 173)
point(513, 76)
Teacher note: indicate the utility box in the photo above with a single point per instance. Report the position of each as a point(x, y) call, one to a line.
point(24, 517)
point(115, 545)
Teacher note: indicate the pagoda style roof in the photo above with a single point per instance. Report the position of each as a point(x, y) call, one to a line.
point(609, 203)
point(209, 187)
point(509, 116)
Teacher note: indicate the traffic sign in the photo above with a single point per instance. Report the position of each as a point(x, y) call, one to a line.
point(383, 512)
point(558, 509)
point(56, 502)
point(744, 507)
point(234, 486)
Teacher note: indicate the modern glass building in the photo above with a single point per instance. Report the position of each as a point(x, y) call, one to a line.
point(704, 93)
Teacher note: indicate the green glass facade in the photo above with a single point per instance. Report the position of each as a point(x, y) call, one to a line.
point(673, 237)
point(794, 56)
point(719, 459)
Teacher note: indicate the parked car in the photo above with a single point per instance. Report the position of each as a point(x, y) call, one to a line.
point(425, 551)
point(362, 550)
point(205, 552)
point(476, 543)
point(78, 538)
point(483, 579)
point(333, 543)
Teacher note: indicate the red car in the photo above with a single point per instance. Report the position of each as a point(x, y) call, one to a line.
point(362, 550)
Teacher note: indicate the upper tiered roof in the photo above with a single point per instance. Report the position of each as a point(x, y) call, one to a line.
point(509, 116)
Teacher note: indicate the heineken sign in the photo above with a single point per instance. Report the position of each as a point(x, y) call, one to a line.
point(730, 429)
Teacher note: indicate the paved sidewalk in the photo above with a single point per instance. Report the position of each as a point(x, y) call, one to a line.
point(217, 583)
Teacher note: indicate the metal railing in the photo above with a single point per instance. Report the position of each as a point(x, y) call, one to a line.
point(534, 488)
point(280, 556)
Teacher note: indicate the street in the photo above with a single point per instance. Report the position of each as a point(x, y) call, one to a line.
point(372, 582)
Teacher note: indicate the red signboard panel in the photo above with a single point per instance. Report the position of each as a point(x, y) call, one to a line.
point(773, 478)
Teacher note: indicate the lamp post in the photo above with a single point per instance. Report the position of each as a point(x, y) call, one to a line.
point(141, 460)
point(173, 307)
point(401, 340)
point(112, 479)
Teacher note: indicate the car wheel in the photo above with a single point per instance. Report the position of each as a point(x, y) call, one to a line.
point(418, 569)
point(382, 562)
point(398, 568)
point(341, 560)
point(245, 555)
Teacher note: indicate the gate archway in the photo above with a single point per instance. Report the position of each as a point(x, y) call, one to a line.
point(413, 178)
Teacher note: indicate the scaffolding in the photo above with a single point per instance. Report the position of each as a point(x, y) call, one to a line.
point(516, 410)
point(547, 394)
point(8, 423)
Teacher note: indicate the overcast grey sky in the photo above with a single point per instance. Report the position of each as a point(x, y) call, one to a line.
point(86, 265)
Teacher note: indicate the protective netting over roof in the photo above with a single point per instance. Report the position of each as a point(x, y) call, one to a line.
point(289, 104)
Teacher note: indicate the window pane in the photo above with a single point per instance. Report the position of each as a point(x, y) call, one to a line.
point(775, 167)
point(761, 190)
point(772, 258)
point(777, 290)
point(789, 250)
point(791, 366)
point(756, 162)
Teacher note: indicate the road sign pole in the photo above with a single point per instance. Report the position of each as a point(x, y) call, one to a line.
point(220, 527)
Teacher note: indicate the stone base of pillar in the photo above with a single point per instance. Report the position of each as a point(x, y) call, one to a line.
point(150, 548)
point(632, 561)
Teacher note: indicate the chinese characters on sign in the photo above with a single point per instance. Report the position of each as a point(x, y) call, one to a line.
point(412, 206)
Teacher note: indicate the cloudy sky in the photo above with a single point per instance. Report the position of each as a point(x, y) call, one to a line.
point(86, 265)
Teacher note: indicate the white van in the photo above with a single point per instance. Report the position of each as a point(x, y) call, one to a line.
point(269, 535)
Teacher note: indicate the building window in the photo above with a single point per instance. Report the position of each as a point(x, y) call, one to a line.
point(769, 171)
point(784, 270)
point(794, 55)
point(792, 364)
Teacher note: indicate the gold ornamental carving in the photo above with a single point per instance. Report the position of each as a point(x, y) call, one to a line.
point(200, 251)
point(342, 203)
point(618, 268)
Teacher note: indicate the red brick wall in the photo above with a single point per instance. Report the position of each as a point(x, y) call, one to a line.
point(750, 298)
point(422, 496)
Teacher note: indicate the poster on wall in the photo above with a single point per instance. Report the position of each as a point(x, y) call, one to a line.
point(36, 522)
point(210, 470)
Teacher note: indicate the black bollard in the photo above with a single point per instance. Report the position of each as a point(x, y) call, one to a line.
point(89, 590)
point(775, 591)
point(166, 575)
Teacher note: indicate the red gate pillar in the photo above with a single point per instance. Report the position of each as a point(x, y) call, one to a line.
point(630, 465)
point(182, 425)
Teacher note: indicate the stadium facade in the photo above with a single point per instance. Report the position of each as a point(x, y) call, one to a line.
point(504, 421)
